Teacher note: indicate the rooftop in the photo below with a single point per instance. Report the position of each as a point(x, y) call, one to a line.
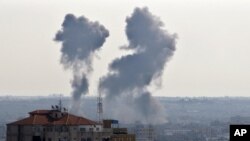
point(44, 117)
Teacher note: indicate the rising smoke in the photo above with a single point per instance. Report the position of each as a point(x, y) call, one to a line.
point(80, 39)
point(125, 87)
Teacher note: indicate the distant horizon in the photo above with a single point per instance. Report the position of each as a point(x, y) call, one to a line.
point(94, 96)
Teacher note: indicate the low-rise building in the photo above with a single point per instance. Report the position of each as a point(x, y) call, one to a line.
point(58, 125)
point(144, 133)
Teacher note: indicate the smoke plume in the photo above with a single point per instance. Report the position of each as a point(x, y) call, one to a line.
point(80, 39)
point(125, 87)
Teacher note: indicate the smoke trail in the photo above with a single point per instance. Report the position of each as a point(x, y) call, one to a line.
point(80, 39)
point(130, 75)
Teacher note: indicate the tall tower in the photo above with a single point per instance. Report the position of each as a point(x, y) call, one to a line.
point(99, 108)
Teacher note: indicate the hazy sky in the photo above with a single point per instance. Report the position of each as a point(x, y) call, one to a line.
point(212, 56)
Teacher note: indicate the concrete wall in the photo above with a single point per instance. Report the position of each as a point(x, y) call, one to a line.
point(64, 133)
point(12, 133)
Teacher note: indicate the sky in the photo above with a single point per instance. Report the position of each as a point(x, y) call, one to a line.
point(212, 56)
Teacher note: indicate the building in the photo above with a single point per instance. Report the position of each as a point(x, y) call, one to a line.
point(144, 133)
point(117, 133)
point(59, 125)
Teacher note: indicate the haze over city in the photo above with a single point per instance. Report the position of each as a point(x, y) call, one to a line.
point(211, 57)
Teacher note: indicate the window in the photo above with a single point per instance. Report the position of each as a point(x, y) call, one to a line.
point(83, 139)
point(56, 128)
point(49, 139)
point(36, 129)
point(89, 139)
point(82, 129)
point(60, 128)
point(65, 129)
point(91, 129)
point(50, 129)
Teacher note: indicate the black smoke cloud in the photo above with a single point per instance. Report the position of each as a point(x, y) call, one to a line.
point(130, 75)
point(80, 39)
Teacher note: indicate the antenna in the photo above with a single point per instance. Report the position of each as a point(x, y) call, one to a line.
point(99, 107)
point(60, 104)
